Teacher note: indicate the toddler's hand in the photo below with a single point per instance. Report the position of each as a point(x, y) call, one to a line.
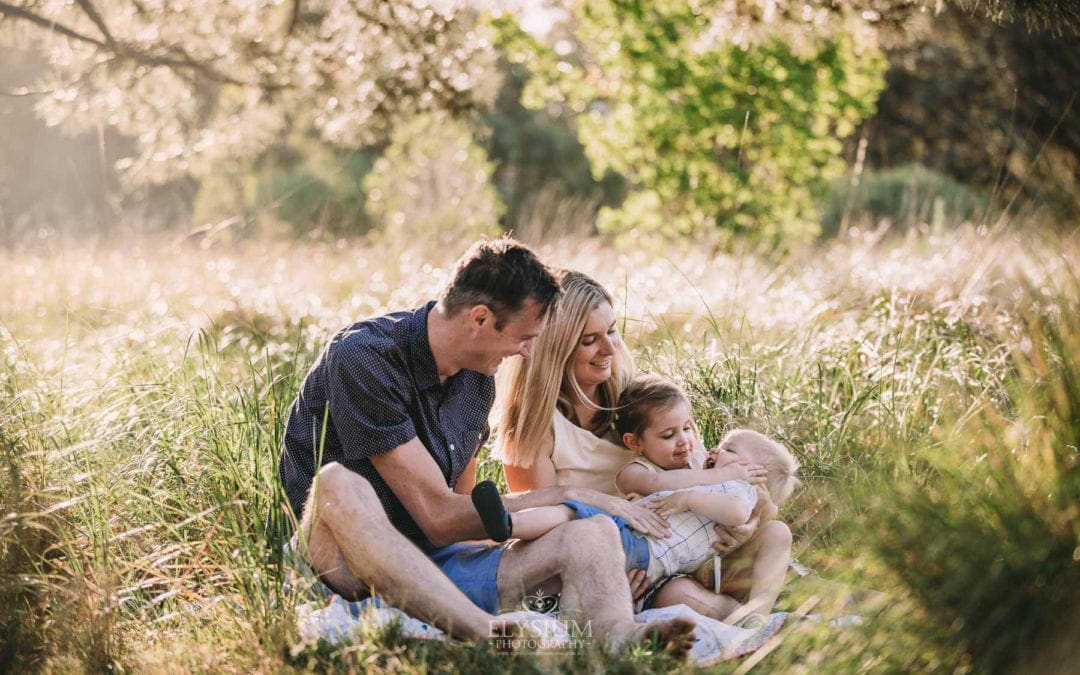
point(735, 469)
point(669, 504)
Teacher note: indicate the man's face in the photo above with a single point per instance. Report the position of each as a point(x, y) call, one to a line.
point(517, 336)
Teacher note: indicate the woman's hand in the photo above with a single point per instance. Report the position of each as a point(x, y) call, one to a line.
point(640, 518)
point(639, 583)
point(672, 503)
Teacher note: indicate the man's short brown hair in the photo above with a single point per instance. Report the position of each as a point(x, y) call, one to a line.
point(501, 274)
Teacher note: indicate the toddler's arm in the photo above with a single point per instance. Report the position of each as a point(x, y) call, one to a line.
point(724, 509)
point(634, 478)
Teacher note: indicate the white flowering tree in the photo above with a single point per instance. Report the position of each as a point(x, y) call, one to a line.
point(195, 82)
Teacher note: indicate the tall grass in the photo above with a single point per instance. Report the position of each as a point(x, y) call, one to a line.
point(929, 386)
point(988, 538)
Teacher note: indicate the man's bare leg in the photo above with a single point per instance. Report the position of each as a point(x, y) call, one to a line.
point(587, 557)
point(352, 544)
point(767, 555)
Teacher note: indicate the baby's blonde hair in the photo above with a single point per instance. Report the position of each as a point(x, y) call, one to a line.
point(780, 464)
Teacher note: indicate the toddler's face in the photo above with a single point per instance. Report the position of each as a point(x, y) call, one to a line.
point(668, 439)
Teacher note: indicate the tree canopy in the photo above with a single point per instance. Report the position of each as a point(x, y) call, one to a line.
point(714, 118)
point(199, 81)
point(725, 122)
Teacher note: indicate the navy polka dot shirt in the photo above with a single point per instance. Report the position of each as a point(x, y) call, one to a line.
point(376, 387)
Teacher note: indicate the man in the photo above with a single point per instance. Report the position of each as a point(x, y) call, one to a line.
point(380, 458)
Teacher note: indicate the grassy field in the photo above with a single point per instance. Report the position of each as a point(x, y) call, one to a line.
point(929, 384)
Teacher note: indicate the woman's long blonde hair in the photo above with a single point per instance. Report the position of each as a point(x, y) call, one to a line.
point(529, 390)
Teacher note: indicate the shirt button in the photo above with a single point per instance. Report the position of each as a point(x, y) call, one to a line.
point(451, 447)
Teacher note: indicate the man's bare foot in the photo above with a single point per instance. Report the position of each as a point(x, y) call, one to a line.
point(674, 636)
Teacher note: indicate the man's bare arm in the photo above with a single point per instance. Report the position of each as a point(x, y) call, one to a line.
point(444, 516)
point(467, 480)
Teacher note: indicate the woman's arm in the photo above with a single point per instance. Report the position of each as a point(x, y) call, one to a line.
point(638, 517)
point(535, 486)
point(540, 475)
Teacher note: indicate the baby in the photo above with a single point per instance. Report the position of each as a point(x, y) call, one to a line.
point(654, 420)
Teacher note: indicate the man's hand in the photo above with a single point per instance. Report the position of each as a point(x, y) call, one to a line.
point(670, 504)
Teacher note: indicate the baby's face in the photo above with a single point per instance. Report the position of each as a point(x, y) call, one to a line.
point(668, 439)
point(735, 446)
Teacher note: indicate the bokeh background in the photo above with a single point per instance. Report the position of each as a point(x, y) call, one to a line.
point(848, 224)
point(755, 119)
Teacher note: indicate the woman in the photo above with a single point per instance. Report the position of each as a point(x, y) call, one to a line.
point(556, 414)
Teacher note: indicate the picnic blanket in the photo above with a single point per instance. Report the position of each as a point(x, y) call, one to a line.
point(336, 620)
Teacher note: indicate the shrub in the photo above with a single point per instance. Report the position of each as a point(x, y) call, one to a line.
point(905, 196)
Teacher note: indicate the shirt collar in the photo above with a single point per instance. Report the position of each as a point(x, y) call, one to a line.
point(423, 361)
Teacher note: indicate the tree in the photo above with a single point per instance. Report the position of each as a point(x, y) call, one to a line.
point(992, 106)
point(200, 83)
point(1059, 17)
point(727, 123)
point(432, 187)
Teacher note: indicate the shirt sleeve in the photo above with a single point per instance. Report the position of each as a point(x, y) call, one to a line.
point(747, 492)
point(367, 395)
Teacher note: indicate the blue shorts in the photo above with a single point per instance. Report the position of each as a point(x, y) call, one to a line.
point(473, 568)
point(634, 545)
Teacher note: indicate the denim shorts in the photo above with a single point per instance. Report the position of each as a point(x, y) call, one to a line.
point(474, 569)
point(635, 546)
